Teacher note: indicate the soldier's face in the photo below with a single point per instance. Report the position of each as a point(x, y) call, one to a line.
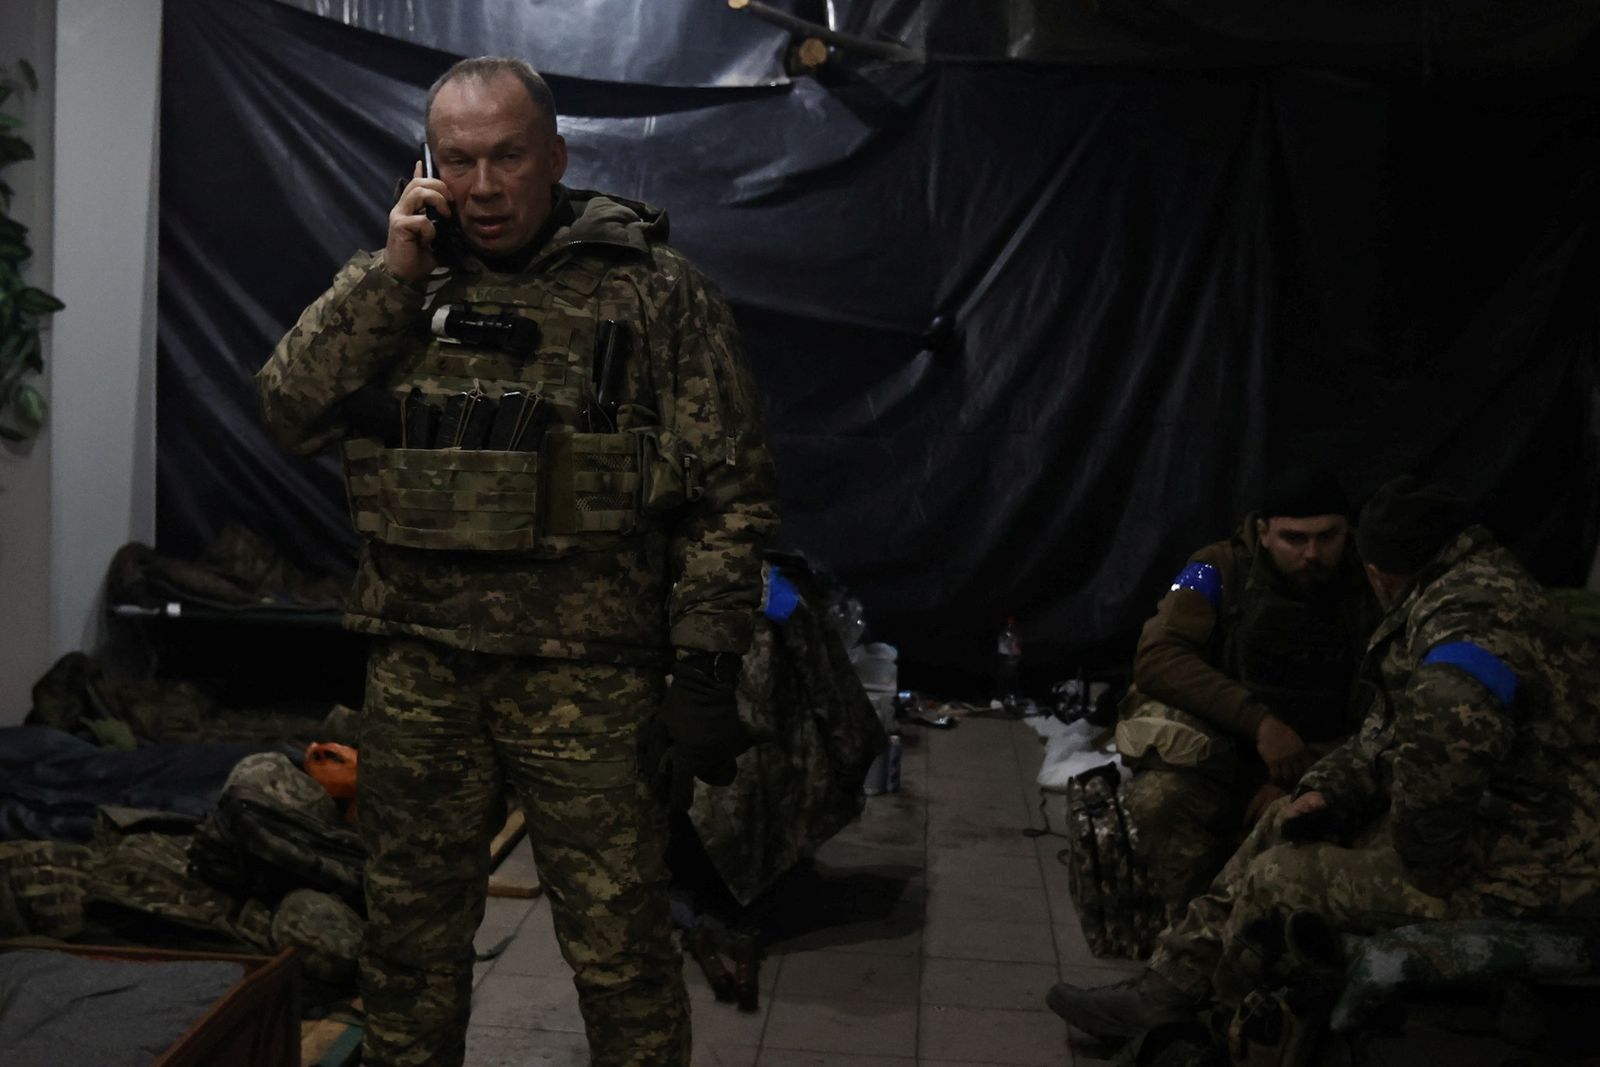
point(1386, 587)
point(1305, 551)
point(499, 158)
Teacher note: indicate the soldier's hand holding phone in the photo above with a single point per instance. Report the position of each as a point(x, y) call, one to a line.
point(422, 211)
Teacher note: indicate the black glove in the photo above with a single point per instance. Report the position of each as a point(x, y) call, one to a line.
point(697, 733)
point(1316, 825)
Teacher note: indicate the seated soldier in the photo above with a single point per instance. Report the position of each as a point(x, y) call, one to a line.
point(1241, 679)
point(1469, 791)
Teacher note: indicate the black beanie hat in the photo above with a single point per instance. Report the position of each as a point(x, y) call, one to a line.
point(1406, 523)
point(1302, 492)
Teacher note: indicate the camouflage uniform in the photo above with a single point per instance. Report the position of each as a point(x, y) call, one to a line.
point(1469, 791)
point(1228, 644)
point(525, 632)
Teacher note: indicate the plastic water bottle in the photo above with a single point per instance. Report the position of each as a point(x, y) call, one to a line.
point(1008, 667)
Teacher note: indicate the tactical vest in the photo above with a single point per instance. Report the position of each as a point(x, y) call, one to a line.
point(584, 487)
point(1298, 657)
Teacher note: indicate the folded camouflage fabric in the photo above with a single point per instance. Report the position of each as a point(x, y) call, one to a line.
point(796, 790)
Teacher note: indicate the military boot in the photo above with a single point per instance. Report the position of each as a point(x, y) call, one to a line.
point(1124, 1010)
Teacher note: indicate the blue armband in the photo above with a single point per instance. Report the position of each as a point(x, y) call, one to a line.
point(782, 597)
point(1204, 579)
point(1488, 669)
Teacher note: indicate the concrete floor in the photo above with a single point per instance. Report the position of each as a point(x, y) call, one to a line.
point(939, 927)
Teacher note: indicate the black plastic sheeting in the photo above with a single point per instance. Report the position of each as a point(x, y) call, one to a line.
point(703, 42)
point(1029, 334)
point(656, 42)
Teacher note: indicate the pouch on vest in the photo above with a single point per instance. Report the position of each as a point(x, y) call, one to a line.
point(444, 498)
point(488, 501)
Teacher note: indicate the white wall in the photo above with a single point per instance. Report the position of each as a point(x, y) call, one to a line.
point(89, 485)
point(27, 28)
point(102, 471)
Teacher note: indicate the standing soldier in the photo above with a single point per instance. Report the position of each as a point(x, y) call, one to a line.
point(1241, 679)
point(555, 455)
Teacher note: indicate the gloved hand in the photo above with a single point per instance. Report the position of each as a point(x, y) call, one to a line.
point(696, 733)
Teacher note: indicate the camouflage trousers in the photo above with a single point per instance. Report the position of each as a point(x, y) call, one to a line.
point(1186, 800)
point(1186, 823)
point(445, 736)
point(1361, 890)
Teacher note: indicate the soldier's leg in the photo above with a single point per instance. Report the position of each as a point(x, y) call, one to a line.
point(1356, 890)
point(1189, 951)
point(567, 734)
point(1181, 820)
point(427, 788)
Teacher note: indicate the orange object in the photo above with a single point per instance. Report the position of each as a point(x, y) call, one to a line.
point(334, 766)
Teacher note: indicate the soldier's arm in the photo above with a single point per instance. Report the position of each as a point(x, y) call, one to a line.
point(1173, 660)
point(717, 543)
point(1453, 724)
point(340, 343)
point(1348, 777)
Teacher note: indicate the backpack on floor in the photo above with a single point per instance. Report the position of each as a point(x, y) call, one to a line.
point(1119, 913)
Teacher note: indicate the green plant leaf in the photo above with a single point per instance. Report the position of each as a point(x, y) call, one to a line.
point(11, 346)
point(14, 149)
point(30, 406)
point(13, 251)
point(10, 122)
point(5, 197)
point(11, 229)
point(32, 352)
point(11, 349)
point(28, 74)
point(38, 302)
point(22, 348)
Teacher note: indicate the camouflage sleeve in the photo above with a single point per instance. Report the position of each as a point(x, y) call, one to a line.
point(1173, 663)
point(339, 344)
point(1453, 725)
point(716, 547)
point(1351, 777)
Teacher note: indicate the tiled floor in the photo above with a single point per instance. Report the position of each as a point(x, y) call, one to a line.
point(957, 925)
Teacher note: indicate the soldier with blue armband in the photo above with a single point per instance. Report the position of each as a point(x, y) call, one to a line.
point(1241, 679)
point(1469, 792)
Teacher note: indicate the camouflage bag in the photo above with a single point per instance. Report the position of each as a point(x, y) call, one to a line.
point(275, 830)
point(324, 930)
point(1119, 912)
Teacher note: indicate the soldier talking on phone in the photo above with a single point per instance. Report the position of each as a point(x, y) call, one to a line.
point(555, 456)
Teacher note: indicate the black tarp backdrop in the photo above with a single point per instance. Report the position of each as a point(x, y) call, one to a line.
point(1029, 333)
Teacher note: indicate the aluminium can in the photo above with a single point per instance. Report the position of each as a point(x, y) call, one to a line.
point(891, 770)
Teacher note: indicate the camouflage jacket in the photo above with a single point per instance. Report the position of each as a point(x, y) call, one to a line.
point(1228, 643)
point(1482, 740)
point(692, 580)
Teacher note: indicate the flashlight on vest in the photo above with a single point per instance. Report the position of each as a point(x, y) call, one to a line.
point(504, 332)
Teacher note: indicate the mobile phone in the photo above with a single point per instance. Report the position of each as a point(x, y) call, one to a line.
point(449, 243)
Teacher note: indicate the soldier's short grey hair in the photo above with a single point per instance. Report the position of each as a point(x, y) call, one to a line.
point(487, 68)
